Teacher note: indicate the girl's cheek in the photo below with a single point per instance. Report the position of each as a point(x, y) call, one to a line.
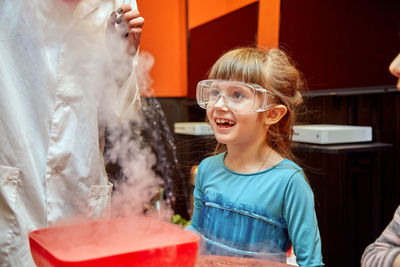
point(209, 114)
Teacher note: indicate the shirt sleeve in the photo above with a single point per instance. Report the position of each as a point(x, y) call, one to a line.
point(383, 251)
point(198, 202)
point(302, 222)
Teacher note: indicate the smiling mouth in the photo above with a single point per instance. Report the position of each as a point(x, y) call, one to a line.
point(224, 123)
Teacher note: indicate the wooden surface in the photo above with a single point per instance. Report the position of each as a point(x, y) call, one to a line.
point(223, 261)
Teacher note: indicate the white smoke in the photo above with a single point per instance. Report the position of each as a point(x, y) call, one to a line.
point(104, 71)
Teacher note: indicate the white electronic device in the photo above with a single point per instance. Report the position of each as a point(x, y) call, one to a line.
point(331, 134)
point(193, 128)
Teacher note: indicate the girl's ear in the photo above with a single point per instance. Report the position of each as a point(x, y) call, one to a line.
point(275, 114)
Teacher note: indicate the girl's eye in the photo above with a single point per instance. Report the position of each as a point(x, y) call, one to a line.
point(237, 95)
point(214, 92)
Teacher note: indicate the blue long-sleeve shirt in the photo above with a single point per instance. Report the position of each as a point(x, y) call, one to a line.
point(256, 214)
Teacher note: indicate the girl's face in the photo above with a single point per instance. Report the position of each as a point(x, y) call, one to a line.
point(395, 69)
point(235, 129)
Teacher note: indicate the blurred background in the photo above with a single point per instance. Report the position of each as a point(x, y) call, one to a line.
point(344, 49)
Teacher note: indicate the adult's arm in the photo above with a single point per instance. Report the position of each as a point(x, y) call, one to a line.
point(385, 251)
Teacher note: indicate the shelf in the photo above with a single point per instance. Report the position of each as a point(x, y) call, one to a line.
point(342, 148)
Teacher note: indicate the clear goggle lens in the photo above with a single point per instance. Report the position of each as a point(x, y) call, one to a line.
point(239, 97)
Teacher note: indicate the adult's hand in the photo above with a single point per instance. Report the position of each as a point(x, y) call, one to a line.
point(128, 24)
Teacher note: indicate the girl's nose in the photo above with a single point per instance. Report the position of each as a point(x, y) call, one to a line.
point(395, 66)
point(221, 103)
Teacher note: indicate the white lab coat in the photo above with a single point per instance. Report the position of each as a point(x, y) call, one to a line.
point(56, 88)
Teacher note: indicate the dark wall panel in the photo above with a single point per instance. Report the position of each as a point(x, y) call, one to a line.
point(342, 44)
point(209, 41)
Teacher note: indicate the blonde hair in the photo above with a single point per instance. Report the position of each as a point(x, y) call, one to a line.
point(275, 71)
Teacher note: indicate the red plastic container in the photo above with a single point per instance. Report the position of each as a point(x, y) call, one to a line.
point(133, 241)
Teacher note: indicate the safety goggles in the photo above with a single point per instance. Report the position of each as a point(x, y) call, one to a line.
point(239, 97)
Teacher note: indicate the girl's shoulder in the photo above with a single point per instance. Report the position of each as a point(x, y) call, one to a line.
point(290, 174)
point(294, 179)
point(209, 165)
point(286, 165)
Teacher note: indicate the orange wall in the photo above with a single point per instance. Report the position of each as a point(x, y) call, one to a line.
point(268, 23)
point(203, 11)
point(164, 36)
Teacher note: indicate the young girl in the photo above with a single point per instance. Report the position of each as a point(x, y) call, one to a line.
point(251, 200)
